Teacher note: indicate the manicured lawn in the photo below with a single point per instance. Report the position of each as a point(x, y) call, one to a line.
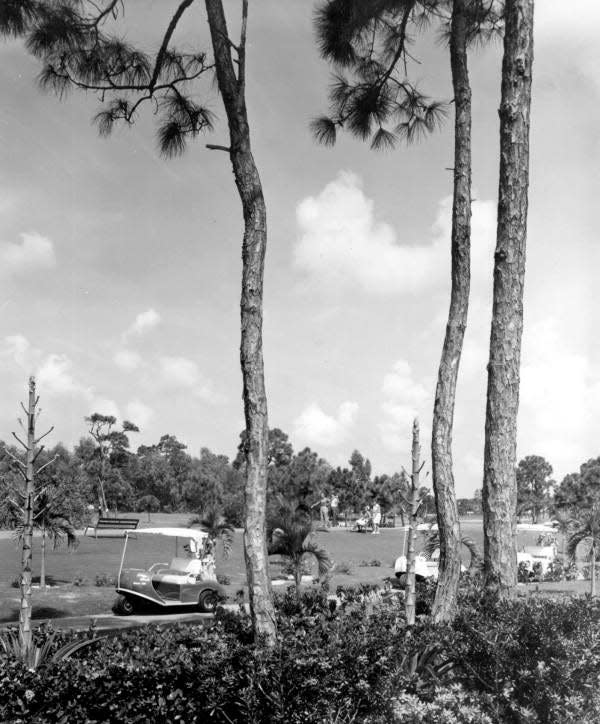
point(75, 571)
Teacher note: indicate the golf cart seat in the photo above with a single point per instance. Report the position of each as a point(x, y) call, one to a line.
point(185, 566)
point(179, 571)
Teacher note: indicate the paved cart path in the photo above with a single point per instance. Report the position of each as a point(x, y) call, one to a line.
point(108, 623)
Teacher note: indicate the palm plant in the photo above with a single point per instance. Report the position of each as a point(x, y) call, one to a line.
point(432, 544)
point(289, 535)
point(212, 520)
point(37, 656)
point(589, 532)
point(565, 521)
point(54, 524)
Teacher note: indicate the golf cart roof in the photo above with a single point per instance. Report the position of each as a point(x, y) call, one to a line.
point(536, 527)
point(171, 532)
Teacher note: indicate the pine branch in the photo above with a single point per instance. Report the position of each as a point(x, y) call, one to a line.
point(18, 439)
point(166, 40)
point(45, 465)
point(14, 458)
point(44, 435)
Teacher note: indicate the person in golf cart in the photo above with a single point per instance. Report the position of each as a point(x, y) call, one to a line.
point(189, 579)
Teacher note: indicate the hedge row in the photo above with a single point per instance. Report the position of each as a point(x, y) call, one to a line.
point(536, 660)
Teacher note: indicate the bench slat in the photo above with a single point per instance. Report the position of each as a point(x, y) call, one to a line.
point(113, 524)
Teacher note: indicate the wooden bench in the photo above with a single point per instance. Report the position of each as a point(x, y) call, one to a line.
point(112, 524)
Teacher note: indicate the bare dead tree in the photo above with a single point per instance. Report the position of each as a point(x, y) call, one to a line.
point(414, 504)
point(28, 495)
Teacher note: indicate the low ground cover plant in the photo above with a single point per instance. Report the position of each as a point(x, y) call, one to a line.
point(339, 659)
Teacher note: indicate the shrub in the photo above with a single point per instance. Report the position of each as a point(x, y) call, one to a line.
point(532, 660)
point(448, 706)
point(342, 567)
point(103, 579)
point(524, 572)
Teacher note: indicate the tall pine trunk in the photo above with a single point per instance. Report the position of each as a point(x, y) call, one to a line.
point(26, 550)
point(499, 475)
point(444, 605)
point(232, 88)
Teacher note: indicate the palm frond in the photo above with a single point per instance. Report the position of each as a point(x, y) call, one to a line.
point(574, 541)
point(216, 525)
point(432, 544)
point(589, 529)
point(324, 562)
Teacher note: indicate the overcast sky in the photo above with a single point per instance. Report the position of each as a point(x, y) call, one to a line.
point(120, 272)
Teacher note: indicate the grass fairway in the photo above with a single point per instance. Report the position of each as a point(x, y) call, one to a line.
point(75, 571)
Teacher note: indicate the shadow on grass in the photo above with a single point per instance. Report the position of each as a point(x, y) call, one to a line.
point(12, 616)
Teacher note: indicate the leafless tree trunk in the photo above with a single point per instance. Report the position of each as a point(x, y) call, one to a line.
point(499, 484)
point(232, 87)
point(411, 596)
point(444, 605)
point(26, 550)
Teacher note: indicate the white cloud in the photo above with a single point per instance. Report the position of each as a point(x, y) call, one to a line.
point(405, 399)
point(139, 413)
point(573, 34)
point(314, 426)
point(144, 322)
point(342, 244)
point(33, 252)
point(127, 359)
point(102, 406)
point(179, 371)
point(560, 398)
point(54, 377)
point(183, 373)
point(18, 348)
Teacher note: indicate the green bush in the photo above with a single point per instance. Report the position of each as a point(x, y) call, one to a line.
point(342, 659)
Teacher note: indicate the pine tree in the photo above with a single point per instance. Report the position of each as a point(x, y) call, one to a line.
point(73, 39)
point(499, 482)
point(372, 39)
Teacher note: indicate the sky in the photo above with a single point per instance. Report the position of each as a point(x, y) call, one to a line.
point(120, 272)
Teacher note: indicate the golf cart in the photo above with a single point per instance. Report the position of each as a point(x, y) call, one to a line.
point(187, 579)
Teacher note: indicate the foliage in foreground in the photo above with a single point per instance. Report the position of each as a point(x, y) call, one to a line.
point(534, 660)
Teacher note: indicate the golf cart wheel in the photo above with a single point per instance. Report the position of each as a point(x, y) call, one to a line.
point(123, 606)
point(207, 601)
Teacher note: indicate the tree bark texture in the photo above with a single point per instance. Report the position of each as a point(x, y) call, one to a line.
point(43, 559)
point(411, 594)
point(26, 550)
point(444, 605)
point(499, 475)
point(249, 187)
